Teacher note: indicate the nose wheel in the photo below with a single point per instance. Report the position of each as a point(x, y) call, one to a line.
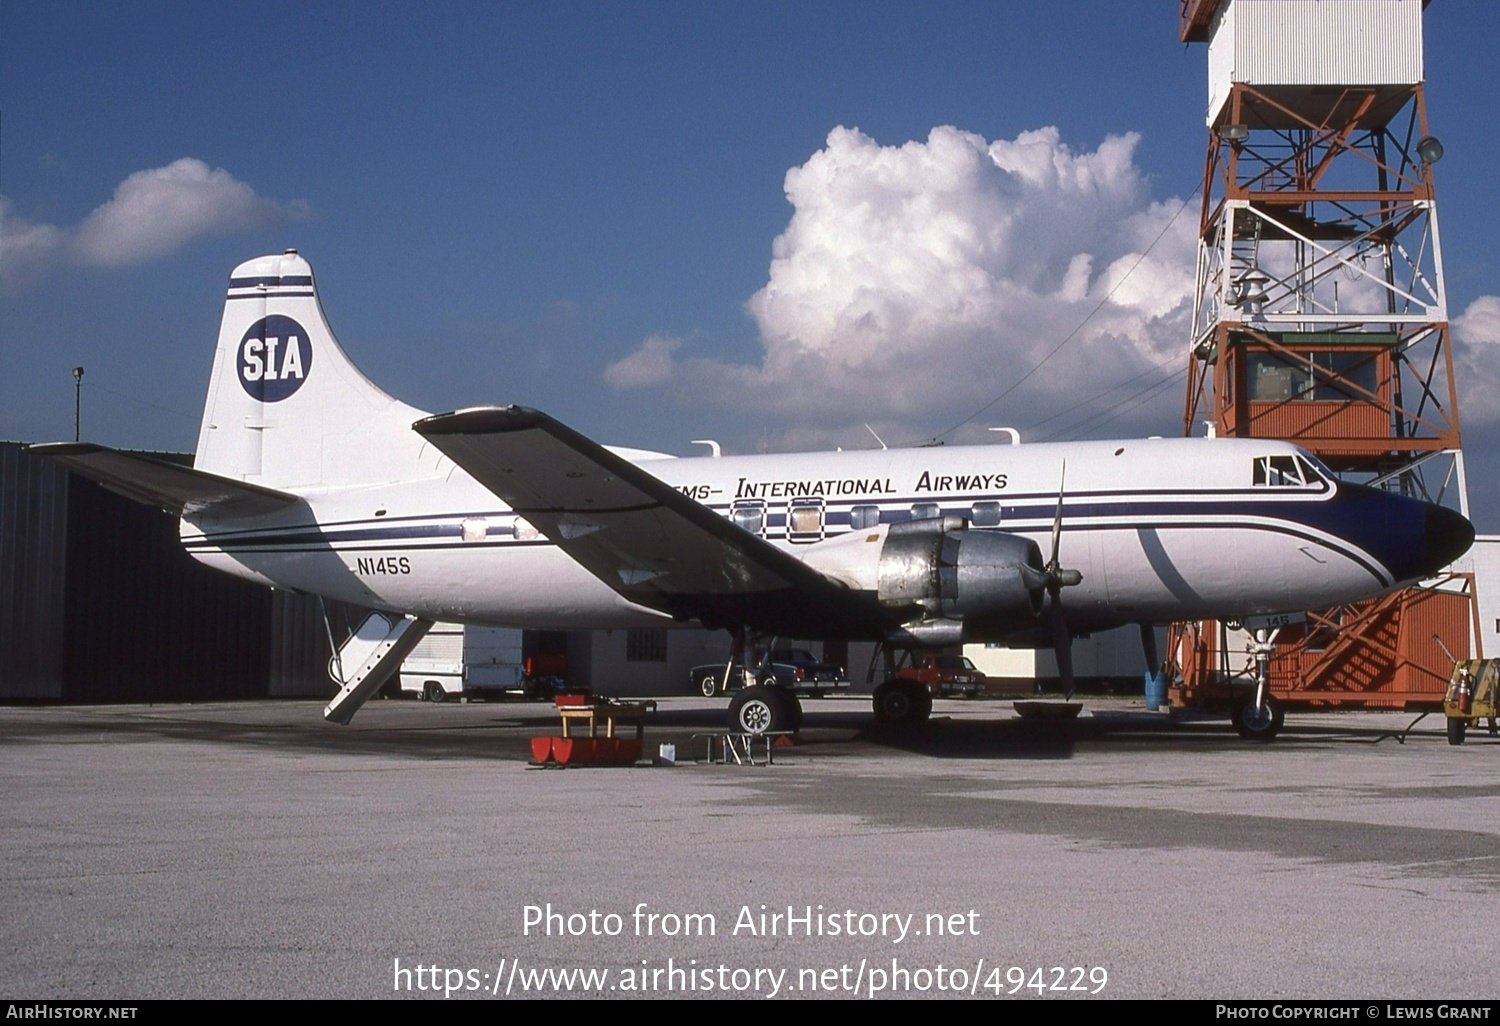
point(1258, 722)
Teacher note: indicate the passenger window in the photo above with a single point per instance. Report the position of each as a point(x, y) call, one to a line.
point(805, 520)
point(984, 514)
point(864, 517)
point(750, 516)
point(925, 511)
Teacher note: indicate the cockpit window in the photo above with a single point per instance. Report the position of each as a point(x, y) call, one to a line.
point(1278, 472)
point(1286, 471)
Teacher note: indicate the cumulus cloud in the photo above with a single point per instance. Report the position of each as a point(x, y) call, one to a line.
point(651, 364)
point(1476, 358)
point(919, 280)
point(26, 250)
point(152, 213)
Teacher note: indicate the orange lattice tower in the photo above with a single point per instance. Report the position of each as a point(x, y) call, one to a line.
point(1320, 315)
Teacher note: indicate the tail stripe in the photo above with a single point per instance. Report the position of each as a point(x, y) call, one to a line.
point(271, 281)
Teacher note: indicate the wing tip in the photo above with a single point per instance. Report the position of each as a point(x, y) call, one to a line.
point(65, 448)
point(481, 420)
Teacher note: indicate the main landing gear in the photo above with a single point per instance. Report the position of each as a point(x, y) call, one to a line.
point(902, 703)
point(765, 709)
point(760, 708)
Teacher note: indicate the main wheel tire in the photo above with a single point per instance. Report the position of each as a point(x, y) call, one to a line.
point(434, 692)
point(759, 710)
point(902, 703)
point(709, 685)
point(1256, 724)
point(1457, 728)
point(793, 712)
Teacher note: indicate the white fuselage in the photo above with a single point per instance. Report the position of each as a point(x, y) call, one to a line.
point(1161, 529)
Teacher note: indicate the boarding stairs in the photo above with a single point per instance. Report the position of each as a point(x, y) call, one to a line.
point(368, 657)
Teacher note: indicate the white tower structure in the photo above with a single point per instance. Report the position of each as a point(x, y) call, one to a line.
point(1321, 315)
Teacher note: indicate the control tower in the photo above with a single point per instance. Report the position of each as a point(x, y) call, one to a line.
point(1320, 315)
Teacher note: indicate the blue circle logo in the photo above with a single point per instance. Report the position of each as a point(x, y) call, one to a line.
point(275, 358)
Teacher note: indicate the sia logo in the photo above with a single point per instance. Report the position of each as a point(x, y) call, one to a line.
point(275, 358)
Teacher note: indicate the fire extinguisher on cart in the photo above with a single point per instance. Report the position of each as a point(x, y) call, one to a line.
point(1465, 694)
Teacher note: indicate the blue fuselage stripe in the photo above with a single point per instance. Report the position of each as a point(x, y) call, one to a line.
point(1331, 521)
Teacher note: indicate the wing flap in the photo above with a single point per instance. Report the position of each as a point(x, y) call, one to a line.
point(640, 536)
point(158, 482)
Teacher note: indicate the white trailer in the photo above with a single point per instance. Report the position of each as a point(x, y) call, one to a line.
point(455, 660)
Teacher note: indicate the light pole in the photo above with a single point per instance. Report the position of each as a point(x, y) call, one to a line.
point(77, 398)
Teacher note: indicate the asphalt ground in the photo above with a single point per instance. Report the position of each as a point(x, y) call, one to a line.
point(253, 850)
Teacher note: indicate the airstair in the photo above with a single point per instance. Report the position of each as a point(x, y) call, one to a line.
point(368, 657)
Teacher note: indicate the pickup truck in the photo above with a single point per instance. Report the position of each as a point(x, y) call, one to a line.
point(944, 675)
point(794, 668)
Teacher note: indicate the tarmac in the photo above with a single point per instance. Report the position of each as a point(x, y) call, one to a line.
point(251, 850)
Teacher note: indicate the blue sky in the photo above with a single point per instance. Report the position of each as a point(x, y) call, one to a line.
point(576, 206)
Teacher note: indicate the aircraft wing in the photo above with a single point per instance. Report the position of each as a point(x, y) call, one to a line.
point(170, 486)
point(640, 536)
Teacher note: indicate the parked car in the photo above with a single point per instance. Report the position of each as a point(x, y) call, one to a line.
point(793, 668)
point(944, 674)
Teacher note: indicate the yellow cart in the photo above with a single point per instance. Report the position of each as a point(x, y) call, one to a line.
point(1473, 693)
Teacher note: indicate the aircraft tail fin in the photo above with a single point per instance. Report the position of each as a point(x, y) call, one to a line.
point(286, 407)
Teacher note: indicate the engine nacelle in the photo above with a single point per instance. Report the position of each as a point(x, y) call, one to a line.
point(939, 571)
point(936, 577)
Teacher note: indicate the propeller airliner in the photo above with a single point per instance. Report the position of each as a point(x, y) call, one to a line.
point(310, 477)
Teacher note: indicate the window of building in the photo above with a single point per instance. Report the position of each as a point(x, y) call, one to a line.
point(646, 646)
point(1321, 375)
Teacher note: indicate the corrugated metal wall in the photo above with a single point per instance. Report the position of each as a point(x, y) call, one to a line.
point(299, 644)
point(144, 620)
point(99, 603)
point(1328, 42)
point(1314, 42)
point(33, 512)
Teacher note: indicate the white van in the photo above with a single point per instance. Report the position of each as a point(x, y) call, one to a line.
point(455, 661)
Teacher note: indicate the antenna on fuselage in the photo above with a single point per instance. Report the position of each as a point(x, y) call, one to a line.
point(877, 437)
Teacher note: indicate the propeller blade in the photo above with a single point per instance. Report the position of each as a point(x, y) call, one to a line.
point(1062, 478)
point(1062, 647)
point(1057, 580)
point(1148, 647)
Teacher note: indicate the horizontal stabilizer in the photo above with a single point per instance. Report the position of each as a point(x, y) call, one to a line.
point(158, 482)
point(639, 535)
